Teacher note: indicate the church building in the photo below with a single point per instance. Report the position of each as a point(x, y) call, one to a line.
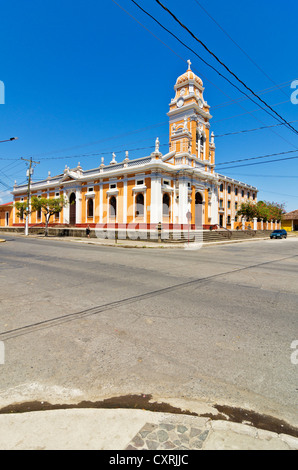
point(176, 189)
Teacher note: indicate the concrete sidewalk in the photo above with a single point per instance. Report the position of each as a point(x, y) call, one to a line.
point(130, 430)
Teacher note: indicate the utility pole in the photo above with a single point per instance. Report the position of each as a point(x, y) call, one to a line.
point(29, 173)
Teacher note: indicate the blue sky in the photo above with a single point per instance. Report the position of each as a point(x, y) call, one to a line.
point(87, 78)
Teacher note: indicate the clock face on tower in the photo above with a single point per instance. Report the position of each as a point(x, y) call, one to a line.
point(180, 102)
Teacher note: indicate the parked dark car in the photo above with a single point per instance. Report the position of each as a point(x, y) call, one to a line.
point(279, 234)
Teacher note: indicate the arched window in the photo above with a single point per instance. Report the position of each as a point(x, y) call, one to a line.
point(202, 141)
point(90, 207)
point(199, 199)
point(140, 205)
point(72, 209)
point(198, 138)
point(72, 198)
point(199, 210)
point(113, 207)
point(166, 205)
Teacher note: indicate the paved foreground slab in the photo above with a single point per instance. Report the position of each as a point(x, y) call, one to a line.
point(130, 430)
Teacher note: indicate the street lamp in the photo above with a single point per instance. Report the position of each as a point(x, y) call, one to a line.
point(8, 140)
point(29, 175)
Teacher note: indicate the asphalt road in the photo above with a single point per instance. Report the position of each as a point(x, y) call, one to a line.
point(81, 322)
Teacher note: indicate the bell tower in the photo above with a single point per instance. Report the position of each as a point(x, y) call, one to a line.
point(189, 122)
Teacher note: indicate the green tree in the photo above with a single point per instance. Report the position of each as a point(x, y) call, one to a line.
point(276, 211)
point(270, 211)
point(261, 210)
point(48, 207)
point(248, 210)
point(22, 210)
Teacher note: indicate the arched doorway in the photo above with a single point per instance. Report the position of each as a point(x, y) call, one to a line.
point(199, 210)
point(72, 209)
point(140, 205)
point(166, 205)
point(90, 208)
point(113, 207)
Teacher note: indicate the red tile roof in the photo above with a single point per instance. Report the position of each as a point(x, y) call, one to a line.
point(291, 215)
point(6, 204)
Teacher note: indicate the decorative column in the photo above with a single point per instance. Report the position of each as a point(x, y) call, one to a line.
point(175, 206)
point(243, 223)
point(183, 201)
point(212, 150)
point(156, 200)
point(214, 206)
point(255, 223)
point(101, 202)
point(124, 200)
point(79, 206)
point(66, 208)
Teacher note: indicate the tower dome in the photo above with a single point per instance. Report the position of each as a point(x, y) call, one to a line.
point(189, 75)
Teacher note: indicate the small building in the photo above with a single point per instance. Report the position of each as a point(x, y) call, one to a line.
point(290, 221)
point(6, 214)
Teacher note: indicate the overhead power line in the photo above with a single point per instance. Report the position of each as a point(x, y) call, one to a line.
point(244, 159)
point(205, 62)
point(224, 65)
point(113, 137)
point(239, 47)
point(213, 68)
point(141, 130)
point(5, 185)
point(250, 130)
point(251, 112)
point(257, 158)
point(236, 101)
point(261, 92)
point(98, 154)
point(262, 163)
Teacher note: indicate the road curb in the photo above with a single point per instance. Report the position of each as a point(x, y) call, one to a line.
point(143, 244)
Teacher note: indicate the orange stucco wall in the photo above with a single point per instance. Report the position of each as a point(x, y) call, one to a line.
point(4, 209)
